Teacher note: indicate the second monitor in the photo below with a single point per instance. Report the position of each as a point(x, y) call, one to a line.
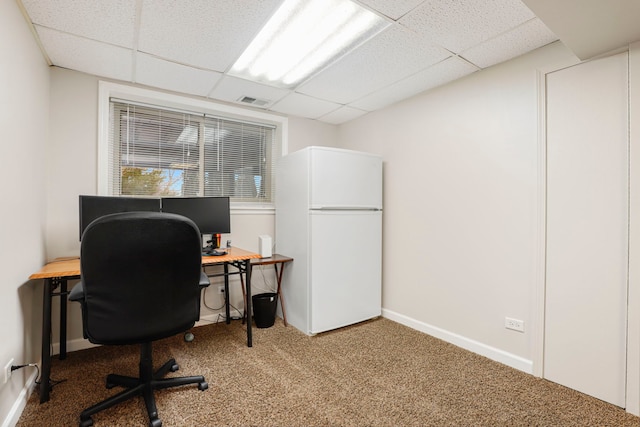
point(210, 214)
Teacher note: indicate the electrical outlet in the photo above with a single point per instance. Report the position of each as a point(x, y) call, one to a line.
point(7, 372)
point(514, 324)
point(221, 289)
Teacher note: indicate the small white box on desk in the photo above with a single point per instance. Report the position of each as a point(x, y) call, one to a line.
point(264, 245)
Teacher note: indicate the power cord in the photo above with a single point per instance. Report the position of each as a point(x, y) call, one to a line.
point(52, 382)
point(35, 365)
point(270, 287)
point(204, 301)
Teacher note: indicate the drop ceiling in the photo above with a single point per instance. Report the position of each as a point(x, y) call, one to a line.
point(188, 47)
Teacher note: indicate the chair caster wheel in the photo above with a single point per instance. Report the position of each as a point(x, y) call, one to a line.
point(174, 367)
point(203, 386)
point(110, 386)
point(86, 423)
point(157, 422)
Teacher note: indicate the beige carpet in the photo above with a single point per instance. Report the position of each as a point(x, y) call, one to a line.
point(378, 373)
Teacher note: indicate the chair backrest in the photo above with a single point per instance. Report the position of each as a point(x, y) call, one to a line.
point(140, 272)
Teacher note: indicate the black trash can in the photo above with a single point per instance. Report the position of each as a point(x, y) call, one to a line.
point(264, 309)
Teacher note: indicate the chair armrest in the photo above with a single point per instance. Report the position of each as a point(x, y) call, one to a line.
point(77, 293)
point(204, 280)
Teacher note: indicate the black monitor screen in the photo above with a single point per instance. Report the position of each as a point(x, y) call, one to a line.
point(211, 214)
point(93, 207)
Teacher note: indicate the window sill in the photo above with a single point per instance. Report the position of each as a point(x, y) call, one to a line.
point(248, 209)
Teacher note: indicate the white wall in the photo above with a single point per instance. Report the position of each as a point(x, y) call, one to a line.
point(305, 132)
point(24, 111)
point(73, 171)
point(461, 197)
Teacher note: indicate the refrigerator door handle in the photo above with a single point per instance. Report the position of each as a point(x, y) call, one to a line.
point(344, 208)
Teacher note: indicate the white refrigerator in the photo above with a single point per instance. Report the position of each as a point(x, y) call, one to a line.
point(329, 220)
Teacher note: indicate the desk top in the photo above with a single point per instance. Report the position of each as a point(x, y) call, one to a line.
point(233, 254)
point(274, 259)
point(70, 266)
point(59, 267)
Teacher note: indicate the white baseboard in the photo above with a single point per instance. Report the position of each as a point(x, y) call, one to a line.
point(81, 343)
point(492, 353)
point(18, 406)
point(207, 319)
point(73, 345)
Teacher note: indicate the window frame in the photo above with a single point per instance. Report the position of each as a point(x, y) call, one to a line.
point(108, 90)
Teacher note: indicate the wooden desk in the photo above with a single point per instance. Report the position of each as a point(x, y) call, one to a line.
point(56, 274)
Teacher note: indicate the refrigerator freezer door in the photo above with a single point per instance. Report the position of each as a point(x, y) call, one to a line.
point(345, 179)
point(345, 268)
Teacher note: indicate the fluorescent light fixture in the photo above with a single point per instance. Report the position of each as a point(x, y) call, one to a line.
point(303, 37)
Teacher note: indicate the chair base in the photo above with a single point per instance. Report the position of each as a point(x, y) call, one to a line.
point(147, 382)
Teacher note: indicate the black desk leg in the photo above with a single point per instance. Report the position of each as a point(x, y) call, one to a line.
point(227, 310)
point(247, 309)
point(46, 341)
point(63, 319)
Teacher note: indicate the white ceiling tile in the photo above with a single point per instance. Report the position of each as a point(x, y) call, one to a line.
point(446, 71)
point(232, 88)
point(304, 106)
point(393, 9)
point(88, 56)
point(523, 39)
point(185, 46)
point(157, 72)
point(388, 57)
point(203, 33)
point(109, 21)
point(458, 25)
point(342, 115)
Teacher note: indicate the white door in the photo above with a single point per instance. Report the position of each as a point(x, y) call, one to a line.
point(345, 268)
point(587, 228)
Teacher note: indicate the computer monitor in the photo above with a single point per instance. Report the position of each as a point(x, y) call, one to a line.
point(211, 214)
point(93, 207)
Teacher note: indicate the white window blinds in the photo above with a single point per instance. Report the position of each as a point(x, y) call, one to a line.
point(155, 151)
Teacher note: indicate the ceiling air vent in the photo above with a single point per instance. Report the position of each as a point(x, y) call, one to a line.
point(254, 101)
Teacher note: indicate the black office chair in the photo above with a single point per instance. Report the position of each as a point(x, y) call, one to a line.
point(141, 282)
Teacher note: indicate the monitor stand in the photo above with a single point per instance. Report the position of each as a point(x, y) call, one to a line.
point(209, 248)
point(212, 250)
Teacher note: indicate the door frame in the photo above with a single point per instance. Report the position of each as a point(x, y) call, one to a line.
point(541, 214)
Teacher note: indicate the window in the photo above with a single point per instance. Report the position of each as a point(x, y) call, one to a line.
point(154, 148)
